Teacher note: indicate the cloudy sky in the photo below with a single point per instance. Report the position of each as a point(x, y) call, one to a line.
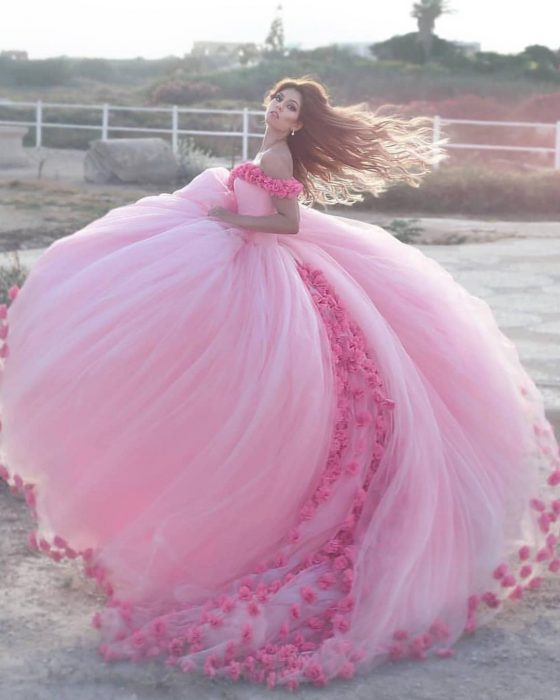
point(157, 28)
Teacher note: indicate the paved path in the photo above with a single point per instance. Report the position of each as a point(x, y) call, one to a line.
point(520, 280)
point(47, 647)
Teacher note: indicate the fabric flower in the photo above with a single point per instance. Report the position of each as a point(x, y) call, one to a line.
point(247, 635)
point(277, 187)
point(245, 593)
point(308, 594)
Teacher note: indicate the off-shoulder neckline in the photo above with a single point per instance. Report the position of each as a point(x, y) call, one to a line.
point(276, 186)
point(283, 179)
point(258, 167)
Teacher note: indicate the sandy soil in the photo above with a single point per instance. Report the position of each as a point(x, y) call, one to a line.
point(48, 647)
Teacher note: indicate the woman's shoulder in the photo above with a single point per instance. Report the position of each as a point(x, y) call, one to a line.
point(273, 174)
point(277, 163)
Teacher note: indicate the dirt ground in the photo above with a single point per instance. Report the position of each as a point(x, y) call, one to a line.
point(48, 647)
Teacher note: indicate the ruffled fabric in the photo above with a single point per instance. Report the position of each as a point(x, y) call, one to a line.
point(284, 458)
point(288, 188)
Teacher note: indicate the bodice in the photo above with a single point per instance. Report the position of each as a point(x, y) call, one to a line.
point(253, 189)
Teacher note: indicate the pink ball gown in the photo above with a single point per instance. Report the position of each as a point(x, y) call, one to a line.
point(285, 458)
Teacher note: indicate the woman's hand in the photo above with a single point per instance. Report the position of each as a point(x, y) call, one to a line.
point(219, 213)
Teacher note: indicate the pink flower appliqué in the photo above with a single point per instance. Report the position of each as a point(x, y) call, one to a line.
point(277, 187)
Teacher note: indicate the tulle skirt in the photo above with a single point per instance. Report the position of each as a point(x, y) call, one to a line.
point(282, 458)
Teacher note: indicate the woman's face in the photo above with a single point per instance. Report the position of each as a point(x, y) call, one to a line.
point(283, 110)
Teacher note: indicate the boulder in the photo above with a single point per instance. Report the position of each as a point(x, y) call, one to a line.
point(12, 154)
point(136, 160)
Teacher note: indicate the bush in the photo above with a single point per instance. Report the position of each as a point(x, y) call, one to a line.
point(353, 78)
point(50, 71)
point(466, 106)
point(184, 92)
point(541, 108)
point(12, 274)
point(408, 48)
point(406, 230)
point(475, 191)
point(95, 68)
point(493, 62)
point(191, 158)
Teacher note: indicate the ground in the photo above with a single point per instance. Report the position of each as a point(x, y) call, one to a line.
point(47, 646)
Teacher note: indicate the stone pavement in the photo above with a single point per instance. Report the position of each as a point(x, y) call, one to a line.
point(520, 280)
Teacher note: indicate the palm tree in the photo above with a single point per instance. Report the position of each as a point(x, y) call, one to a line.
point(425, 13)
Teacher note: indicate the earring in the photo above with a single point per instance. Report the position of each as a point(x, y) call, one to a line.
point(293, 132)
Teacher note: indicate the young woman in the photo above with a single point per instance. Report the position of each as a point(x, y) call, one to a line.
point(286, 445)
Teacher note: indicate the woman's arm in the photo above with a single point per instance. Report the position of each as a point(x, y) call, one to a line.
point(286, 220)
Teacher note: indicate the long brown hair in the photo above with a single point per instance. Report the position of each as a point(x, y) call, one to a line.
point(342, 151)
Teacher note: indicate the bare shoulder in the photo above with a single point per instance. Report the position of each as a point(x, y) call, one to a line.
point(277, 163)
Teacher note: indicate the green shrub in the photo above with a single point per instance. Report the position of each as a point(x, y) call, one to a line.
point(475, 191)
point(406, 230)
point(183, 92)
point(11, 274)
point(191, 158)
point(96, 68)
point(407, 47)
point(49, 71)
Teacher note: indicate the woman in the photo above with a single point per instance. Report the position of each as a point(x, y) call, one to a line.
point(286, 445)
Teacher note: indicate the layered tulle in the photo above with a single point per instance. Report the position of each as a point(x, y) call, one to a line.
point(286, 458)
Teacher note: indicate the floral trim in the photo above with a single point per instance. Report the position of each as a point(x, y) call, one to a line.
point(194, 638)
point(277, 187)
point(226, 636)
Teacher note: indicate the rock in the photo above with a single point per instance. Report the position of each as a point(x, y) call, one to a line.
point(12, 154)
point(138, 160)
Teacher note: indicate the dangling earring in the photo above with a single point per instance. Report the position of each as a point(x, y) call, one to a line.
point(293, 132)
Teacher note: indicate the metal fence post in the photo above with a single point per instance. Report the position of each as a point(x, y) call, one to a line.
point(245, 137)
point(436, 135)
point(557, 148)
point(174, 128)
point(105, 123)
point(39, 124)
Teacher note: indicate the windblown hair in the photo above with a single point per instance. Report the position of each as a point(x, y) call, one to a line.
point(343, 151)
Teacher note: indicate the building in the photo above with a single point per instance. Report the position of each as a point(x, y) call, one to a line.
point(14, 55)
point(221, 48)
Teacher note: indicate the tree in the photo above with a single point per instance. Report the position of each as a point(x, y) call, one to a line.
point(426, 12)
point(407, 48)
point(274, 42)
point(248, 53)
point(545, 59)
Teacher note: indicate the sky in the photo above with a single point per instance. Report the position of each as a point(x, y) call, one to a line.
point(158, 28)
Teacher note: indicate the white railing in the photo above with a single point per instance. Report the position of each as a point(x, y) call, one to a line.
point(244, 134)
point(105, 127)
point(554, 129)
